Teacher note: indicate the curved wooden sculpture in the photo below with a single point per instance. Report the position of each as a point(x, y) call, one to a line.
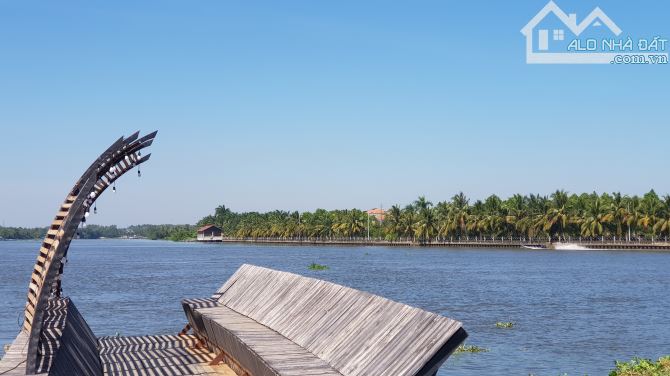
point(45, 284)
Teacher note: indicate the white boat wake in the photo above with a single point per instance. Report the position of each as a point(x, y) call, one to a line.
point(572, 247)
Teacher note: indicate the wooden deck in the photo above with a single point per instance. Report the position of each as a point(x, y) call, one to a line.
point(166, 355)
point(13, 363)
point(261, 350)
point(137, 356)
point(269, 321)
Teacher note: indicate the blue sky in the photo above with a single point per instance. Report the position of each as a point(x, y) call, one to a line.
point(304, 104)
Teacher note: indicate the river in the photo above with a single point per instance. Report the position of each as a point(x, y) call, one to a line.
point(574, 312)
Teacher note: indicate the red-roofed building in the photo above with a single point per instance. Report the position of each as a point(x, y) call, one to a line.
point(210, 233)
point(380, 214)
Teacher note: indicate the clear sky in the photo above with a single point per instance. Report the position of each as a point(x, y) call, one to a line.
point(307, 104)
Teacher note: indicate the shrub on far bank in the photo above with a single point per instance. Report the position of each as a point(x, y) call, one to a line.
point(643, 367)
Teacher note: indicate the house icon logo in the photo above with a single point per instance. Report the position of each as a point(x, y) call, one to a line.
point(554, 37)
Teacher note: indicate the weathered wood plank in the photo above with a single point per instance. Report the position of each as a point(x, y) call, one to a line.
point(258, 348)
point(281, 321)
point(164, 355)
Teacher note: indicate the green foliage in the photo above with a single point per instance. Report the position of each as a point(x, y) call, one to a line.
point(642, 367)
point(154, 232)
point(504, 324)
point(322, 224)
point(533, 217)
point(470, 349)
point(20, 233)
point(315, 266)
point(558, 216)
point(97, 232)
point(163, 232)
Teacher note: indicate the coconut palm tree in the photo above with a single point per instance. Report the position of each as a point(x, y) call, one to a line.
point(460, 201)
point(443, 212)
point(354, 222)
point(491, 223)
point(662, 225)
point(515, 210)
point(596, 217)
point(460, 215)
point(555, 221)
point(422, 204)
point(393, 222)
point(633, 215)
point(650, 206)
point(408, 218)
point(619, 210)
point(426, 226)
point(559, 198)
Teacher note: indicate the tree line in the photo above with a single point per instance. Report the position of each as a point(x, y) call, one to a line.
point(154, 232)
point(559, 216)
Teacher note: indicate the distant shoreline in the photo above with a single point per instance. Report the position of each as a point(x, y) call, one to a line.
point(455, 244)
point(592, 246)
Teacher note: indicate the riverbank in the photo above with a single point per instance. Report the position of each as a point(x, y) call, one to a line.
point(656, 246)
point(595, 246)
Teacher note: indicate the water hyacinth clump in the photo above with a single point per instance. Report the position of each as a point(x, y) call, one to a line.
point(643, 367)
point(470, 349)
point(315, 266)
point(504, 324)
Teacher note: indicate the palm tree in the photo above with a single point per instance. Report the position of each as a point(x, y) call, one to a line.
point(422, 204)
point(559, 198)
point(555, 221)
point(619, 211)
point(459, 221)
point(393, 222)
point(650, 206)
point(634, 212)
point(662, 225)
point(460, 201)
point(515, 210)
point(408, 218)
point(472, 224)
point(596, 217)
point(353, 223)
point(459, 214)
point(491, 223)
point(556, 218)
point(426, 227)
point(443, 213)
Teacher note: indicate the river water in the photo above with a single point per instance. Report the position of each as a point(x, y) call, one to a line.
point(575, 312)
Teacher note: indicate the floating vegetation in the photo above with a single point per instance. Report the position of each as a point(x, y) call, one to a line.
point(643, 367)
point(504, 324)
point(470, 349)
point(315, 266)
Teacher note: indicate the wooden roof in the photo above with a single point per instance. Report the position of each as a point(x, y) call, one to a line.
point(207, 227)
